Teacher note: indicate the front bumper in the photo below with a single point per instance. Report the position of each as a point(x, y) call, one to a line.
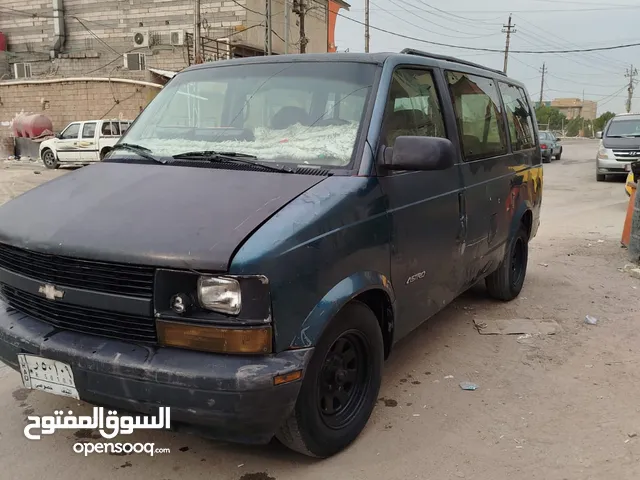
point(225, 397)
point(612, 166)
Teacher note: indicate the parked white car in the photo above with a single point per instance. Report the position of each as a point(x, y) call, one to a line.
point(82, 142)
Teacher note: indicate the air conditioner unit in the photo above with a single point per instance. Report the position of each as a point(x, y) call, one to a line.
point(141, 38)
point(22, 70)
point(135, 61)
point(177, 38)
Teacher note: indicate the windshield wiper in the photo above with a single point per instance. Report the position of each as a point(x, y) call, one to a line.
point(138, 150)
point(231, 157)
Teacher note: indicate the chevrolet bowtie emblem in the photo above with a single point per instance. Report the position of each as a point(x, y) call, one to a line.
point(51, 292)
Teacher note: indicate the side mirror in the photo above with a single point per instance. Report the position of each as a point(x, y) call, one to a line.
point(598, 134)
point(420, 153)
point(58, 136)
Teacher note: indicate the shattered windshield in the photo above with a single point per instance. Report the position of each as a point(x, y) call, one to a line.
point(302, 112)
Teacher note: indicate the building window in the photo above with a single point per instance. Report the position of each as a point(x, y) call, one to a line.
point(22, 70)
point(135, 61)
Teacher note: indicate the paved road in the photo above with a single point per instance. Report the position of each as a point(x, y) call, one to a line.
point(548, 407)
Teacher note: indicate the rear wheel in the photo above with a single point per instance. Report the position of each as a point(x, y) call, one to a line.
point(340, 386)
point(49, 159)
point(559, 156)
point(506, 282)
point(104, 152)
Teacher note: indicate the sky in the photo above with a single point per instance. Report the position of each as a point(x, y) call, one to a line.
point(540, 25)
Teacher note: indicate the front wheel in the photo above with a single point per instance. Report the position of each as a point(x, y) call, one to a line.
point(340, 386)
point(506, 283)
point(49, 159)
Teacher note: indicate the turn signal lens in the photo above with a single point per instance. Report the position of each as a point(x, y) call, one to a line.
point(214, 339)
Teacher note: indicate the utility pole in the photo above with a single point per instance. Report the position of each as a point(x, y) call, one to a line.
point(366, 26)
point(543, 70)
point(287, 26)
point(197, 50)
point(508, 29)
point(268, 40)
point(631, 74)
point(300, 8)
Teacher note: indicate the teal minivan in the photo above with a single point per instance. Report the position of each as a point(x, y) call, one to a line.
point(265, 233)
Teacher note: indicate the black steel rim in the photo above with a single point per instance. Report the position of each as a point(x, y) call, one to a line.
point(344, 379)
point(517, 262)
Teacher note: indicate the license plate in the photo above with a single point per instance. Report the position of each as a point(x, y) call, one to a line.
point(39, 373)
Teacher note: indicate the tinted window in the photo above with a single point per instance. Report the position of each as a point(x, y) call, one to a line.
point(478, 114)
point(71, 131)
point(624, 127)
point(412, 108)
point(545, 136)
point(518, 117)
point(88, 130)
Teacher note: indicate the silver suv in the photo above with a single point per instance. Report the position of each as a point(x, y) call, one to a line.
point(619, 146)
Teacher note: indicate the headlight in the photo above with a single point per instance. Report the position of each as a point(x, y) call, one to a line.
point(603, 153)
point(220, 294)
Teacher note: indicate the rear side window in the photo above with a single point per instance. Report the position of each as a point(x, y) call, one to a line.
point(412, 108)
point(518, 117)
point(479, 115)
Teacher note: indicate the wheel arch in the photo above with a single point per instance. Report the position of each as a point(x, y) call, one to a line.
point(371, 288)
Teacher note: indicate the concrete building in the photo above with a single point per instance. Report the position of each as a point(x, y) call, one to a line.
point(576, 107)
point(59, 52)
point(126, 38)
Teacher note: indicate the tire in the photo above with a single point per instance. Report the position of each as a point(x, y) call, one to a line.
point(506, 283)
point(104, 152)
point(600, 177)
point(317, 427)
point(546, 159)
point(559, 156)
point(49, 159)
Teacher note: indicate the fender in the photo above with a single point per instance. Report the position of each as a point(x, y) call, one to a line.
point(341, 294)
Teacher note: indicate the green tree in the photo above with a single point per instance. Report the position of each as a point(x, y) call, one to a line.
point(601, 121)
point(551, 116)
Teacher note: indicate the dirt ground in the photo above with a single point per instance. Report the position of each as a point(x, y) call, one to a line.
point(561, 406)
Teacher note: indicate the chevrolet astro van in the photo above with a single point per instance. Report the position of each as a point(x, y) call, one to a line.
point(264, 234)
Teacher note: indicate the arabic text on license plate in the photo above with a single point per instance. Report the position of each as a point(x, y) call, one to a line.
point(51, 376)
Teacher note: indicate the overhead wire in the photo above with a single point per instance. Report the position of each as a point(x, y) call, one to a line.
point(481, 49)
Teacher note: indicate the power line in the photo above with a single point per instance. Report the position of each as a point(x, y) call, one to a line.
point(472, 20)
point(421, 27)
point(539, 10)
point(495, 50)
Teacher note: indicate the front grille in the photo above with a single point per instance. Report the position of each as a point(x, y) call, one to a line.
point(81, 319)
point(121, 279)
point(627, 155)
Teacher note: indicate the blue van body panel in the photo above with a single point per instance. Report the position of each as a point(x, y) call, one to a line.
point(331, 235)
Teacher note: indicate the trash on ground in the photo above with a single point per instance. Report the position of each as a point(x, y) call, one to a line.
point(517, 326)
point(632, 434)
point(543, 264)
point(448, 376)
point(589, 320)
point(468, 386)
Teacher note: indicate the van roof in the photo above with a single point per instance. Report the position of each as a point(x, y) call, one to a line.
point(627, 116)
point(378, 58)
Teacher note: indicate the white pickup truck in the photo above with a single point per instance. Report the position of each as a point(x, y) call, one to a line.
point(82, 142)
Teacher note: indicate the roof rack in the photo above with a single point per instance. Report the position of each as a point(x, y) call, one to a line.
point(420, 53)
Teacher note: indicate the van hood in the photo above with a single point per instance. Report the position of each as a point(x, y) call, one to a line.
point(159, 215)
point(614, 142)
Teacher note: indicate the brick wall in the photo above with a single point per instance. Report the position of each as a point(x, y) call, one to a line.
point(65, 102)
point(99, 32)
